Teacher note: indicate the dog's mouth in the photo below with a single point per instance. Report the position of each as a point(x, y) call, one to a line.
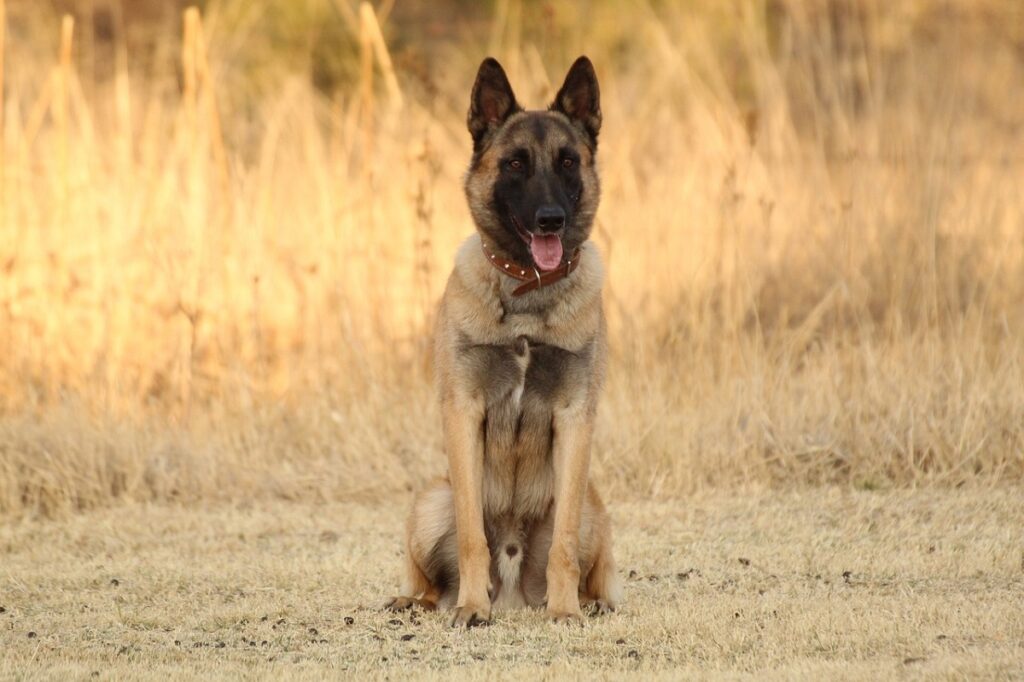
point(546, 249)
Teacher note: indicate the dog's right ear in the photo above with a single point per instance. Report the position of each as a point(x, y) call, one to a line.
point(491, 103)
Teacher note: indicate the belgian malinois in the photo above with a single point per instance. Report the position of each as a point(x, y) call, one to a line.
point(520, 356)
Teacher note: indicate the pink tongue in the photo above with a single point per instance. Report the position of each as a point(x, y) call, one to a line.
point(546, 250)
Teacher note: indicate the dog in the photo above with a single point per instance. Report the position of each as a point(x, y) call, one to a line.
point(520, 354)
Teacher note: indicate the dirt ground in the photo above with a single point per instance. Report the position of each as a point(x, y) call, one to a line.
point(822, 583)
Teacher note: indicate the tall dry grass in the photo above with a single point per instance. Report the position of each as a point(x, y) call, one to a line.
point(812, 218)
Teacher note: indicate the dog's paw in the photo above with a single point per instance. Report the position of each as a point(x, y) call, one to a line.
point(471, 616)
point(405, 603)
point(566, 618)
point(598, 607)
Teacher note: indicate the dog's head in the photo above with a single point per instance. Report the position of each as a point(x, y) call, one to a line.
point(532, 184)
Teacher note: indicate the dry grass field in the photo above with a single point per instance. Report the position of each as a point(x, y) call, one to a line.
point(830, 584)
point(223, 232)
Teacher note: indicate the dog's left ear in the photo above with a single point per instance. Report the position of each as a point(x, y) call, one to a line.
point(580, 99)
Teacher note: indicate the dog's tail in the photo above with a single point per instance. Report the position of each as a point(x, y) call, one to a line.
point(508, 557)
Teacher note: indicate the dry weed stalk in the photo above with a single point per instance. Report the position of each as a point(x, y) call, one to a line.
point(62, 77)
point(366, 98)
point(371, 27)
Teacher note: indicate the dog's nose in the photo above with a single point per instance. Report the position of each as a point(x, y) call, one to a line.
point(550, 218)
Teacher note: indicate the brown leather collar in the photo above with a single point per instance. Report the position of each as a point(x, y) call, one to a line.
point(533, 277)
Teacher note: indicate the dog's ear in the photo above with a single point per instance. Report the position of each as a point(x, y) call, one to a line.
point(580, 99)
point(491, 103)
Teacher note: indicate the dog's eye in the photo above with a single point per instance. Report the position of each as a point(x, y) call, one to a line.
point(515, 164)
point(568, 162)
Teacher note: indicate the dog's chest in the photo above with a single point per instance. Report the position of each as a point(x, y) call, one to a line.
point(522, 382)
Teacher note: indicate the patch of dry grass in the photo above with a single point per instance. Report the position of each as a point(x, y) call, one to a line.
point(828, 583)
point(217, 282)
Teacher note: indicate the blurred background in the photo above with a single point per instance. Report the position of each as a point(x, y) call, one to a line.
point(225, 226)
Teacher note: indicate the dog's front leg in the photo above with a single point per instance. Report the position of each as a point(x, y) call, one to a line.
point(574, 426)
point(463, 417)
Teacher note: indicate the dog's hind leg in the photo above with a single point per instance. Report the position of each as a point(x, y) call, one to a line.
point(601, 587)
point(431, 561)
point(419, 591)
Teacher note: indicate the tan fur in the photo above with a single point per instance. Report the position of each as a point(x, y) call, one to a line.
point(569, 533)
point(516, 521)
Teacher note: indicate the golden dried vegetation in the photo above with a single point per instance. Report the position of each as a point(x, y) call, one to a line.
point(217, 276)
